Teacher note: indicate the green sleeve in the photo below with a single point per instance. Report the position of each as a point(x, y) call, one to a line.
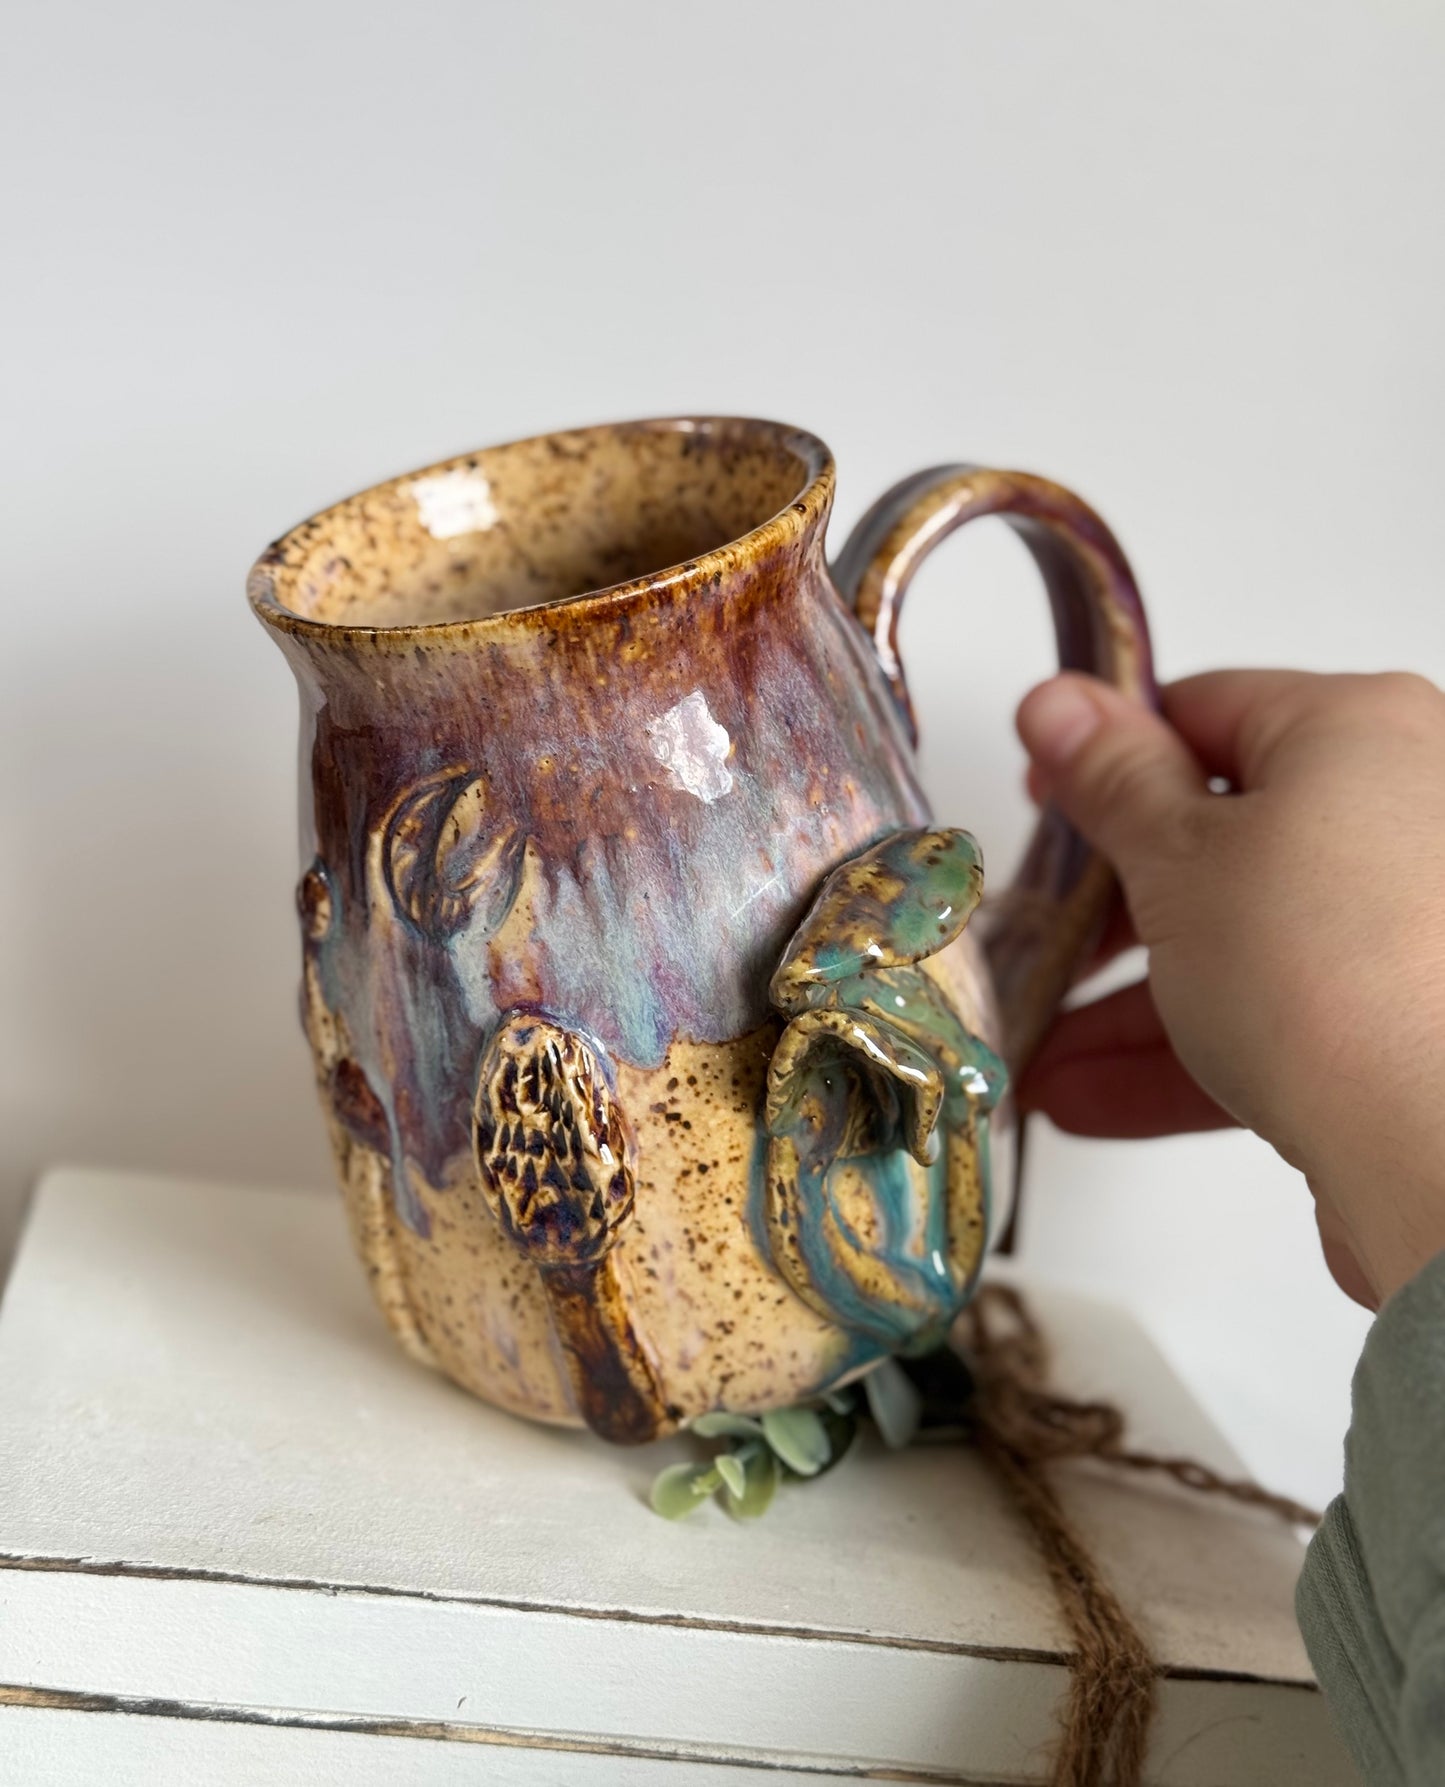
point(1371, 1598)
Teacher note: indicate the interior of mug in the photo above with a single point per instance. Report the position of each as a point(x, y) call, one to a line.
point(540, 521)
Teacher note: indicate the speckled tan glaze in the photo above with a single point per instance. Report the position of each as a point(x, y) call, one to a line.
point(608, 811)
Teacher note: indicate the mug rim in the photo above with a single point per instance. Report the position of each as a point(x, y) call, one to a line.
point(274, 573)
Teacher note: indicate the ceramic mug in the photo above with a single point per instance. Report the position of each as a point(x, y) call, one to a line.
point(659, 1065)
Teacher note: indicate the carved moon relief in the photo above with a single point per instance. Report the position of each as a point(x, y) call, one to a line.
point(447, 857)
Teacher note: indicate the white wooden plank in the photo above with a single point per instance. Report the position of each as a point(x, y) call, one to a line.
point(195, 1379)
point(820, 1702)
point(208, 1436)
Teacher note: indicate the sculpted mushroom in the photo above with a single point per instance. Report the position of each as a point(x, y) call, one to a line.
point(554, 1159)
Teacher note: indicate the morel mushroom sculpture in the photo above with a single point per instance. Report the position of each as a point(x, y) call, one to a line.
point(552, 1151)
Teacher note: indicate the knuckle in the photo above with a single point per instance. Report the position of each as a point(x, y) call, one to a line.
point(1406, 685)
point(1326, 709)
point(1401, 704)
point(1407, 693)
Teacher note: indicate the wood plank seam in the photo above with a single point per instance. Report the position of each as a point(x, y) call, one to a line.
point(625, 1616)
point(433, 1731)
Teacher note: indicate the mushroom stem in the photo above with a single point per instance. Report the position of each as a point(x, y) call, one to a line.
point(612, 1378)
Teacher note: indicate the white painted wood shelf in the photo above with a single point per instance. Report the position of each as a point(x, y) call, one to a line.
point(244, 1540)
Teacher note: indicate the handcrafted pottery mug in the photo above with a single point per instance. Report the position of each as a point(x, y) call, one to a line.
point(658, 1062)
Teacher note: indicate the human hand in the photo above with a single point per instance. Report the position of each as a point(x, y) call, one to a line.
point(1295, 929)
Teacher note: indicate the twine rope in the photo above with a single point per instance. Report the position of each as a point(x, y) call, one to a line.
point(1022, 1427)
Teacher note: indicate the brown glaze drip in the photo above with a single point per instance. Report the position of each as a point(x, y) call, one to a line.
point(359, 1111)
point(614, 1381)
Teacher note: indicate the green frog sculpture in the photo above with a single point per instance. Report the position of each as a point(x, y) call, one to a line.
point(878, 1098)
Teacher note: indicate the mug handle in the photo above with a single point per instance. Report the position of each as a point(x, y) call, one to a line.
point(1040, 929)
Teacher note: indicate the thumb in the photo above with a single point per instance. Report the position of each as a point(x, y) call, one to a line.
point(1119, 772)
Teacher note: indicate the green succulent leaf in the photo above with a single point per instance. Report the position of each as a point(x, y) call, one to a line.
point(842, 1430)
point(799, 1438)
point(761, 1474)
point(840, 1401)
point(730, 1469)
point(680, 1488)
point(894, 1403)
point(722, 1424)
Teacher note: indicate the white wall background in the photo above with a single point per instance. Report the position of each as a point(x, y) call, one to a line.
point(1188, 259)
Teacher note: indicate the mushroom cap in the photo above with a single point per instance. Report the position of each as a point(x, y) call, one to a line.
point(550, 1142)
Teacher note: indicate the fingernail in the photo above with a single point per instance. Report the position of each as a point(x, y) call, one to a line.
point(1055, 721)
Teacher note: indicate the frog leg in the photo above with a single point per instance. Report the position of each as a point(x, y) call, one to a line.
point(973, 1080)
point(843, 1088)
